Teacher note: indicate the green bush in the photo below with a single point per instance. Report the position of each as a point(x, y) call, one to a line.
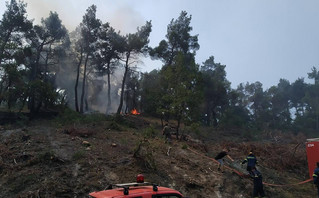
point(22, 120)
point(120, 119)
point(114, 126)
point(79, 155)
point(184, 146)
point(69, 116)
point(149, 132)
point(94, 117)
point(193, 128)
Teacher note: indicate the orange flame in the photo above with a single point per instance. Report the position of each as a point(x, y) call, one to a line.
point(135, 112)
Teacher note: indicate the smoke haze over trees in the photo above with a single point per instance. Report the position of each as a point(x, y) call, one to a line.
point(94, 68)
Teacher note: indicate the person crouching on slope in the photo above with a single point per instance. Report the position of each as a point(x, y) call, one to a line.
point(220, 159)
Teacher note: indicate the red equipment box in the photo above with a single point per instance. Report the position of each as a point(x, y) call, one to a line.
point(312, 146)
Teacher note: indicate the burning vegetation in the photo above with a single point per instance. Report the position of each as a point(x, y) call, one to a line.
point(135, 112)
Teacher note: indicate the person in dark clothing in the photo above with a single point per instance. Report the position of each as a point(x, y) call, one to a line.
point(258, 183)
point(315, 177)
point(166, 131)
point(251, 161)
point(220, 159)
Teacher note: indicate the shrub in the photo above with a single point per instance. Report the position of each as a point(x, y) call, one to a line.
point(79, 155)
point(113, 125)
point(184, 146)
point(193, 128)
point(149, 132)
point(68, 116)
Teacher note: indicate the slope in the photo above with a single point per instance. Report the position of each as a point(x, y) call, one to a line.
point(59, 158)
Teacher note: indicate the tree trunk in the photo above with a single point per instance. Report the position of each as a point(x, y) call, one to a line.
point(214, 119)
point(83, 84)
point(178, 125)
point(86, 97)
point(77, 82)
point(208, 113)
point(123, 83)
point(208, 118)
point(127, 105)
point(86, 104)
point(109, 102)
point(1, 88)
point(134, 99)
point(23, 103)
point(34, 71)
point(46, 64)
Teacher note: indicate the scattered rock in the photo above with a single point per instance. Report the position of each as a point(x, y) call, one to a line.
point(86, 143)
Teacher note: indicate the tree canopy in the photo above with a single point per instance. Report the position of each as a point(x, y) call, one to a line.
point(96, 68)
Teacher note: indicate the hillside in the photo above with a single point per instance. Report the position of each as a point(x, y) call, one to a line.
point(70, 158)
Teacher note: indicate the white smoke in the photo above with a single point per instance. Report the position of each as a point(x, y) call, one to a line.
point(96, 92)
point(121, 16)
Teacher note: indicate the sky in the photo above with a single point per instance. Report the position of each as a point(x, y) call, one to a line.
point(257, 40)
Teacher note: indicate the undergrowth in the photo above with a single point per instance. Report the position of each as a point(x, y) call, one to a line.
point(69, 116)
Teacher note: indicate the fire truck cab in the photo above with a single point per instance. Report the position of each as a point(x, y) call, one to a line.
point(140, 189)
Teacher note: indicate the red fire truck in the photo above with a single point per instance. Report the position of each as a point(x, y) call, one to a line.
point(312, 146)
point(140, 189)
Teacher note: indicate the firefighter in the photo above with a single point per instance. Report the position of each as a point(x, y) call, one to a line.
point(251, 161)
point(168, 137)
point(258, 183)
point(315, 177)
point(166, 131)
point(220, 159)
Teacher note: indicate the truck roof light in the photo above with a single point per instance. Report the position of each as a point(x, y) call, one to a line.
point(140, 178)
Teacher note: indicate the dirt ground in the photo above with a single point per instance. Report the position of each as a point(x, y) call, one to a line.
point(47, 159)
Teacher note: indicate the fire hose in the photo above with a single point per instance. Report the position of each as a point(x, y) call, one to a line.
point(243, 175)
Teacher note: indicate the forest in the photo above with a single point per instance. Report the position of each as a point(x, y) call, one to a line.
point(46, 68)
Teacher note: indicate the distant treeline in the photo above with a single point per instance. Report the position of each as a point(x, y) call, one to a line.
point(44, 67)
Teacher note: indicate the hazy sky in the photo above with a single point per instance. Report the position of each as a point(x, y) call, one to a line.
point(257, 40)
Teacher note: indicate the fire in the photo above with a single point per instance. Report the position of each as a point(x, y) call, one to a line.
point(135, 112)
